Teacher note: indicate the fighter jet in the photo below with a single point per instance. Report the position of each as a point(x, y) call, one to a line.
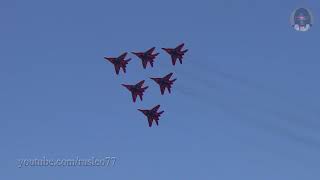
point(119, 62)
point(164, 82)
point(146, 57)
point(152, 114)
point(176, 53)
point(136, 90)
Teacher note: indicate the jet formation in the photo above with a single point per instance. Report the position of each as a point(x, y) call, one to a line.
point(138, 89)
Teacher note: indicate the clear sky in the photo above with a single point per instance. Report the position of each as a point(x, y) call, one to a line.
point(245, 105)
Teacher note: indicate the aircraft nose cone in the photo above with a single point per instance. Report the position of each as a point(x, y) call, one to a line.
point(124, 85)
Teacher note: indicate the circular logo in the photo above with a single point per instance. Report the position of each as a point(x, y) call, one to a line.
point(301, 19)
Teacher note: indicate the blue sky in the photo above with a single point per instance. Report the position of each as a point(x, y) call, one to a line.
point(245, 105)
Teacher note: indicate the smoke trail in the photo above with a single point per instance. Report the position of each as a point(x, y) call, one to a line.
point(247, 118)
point(199, 79)
point(204, 75)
